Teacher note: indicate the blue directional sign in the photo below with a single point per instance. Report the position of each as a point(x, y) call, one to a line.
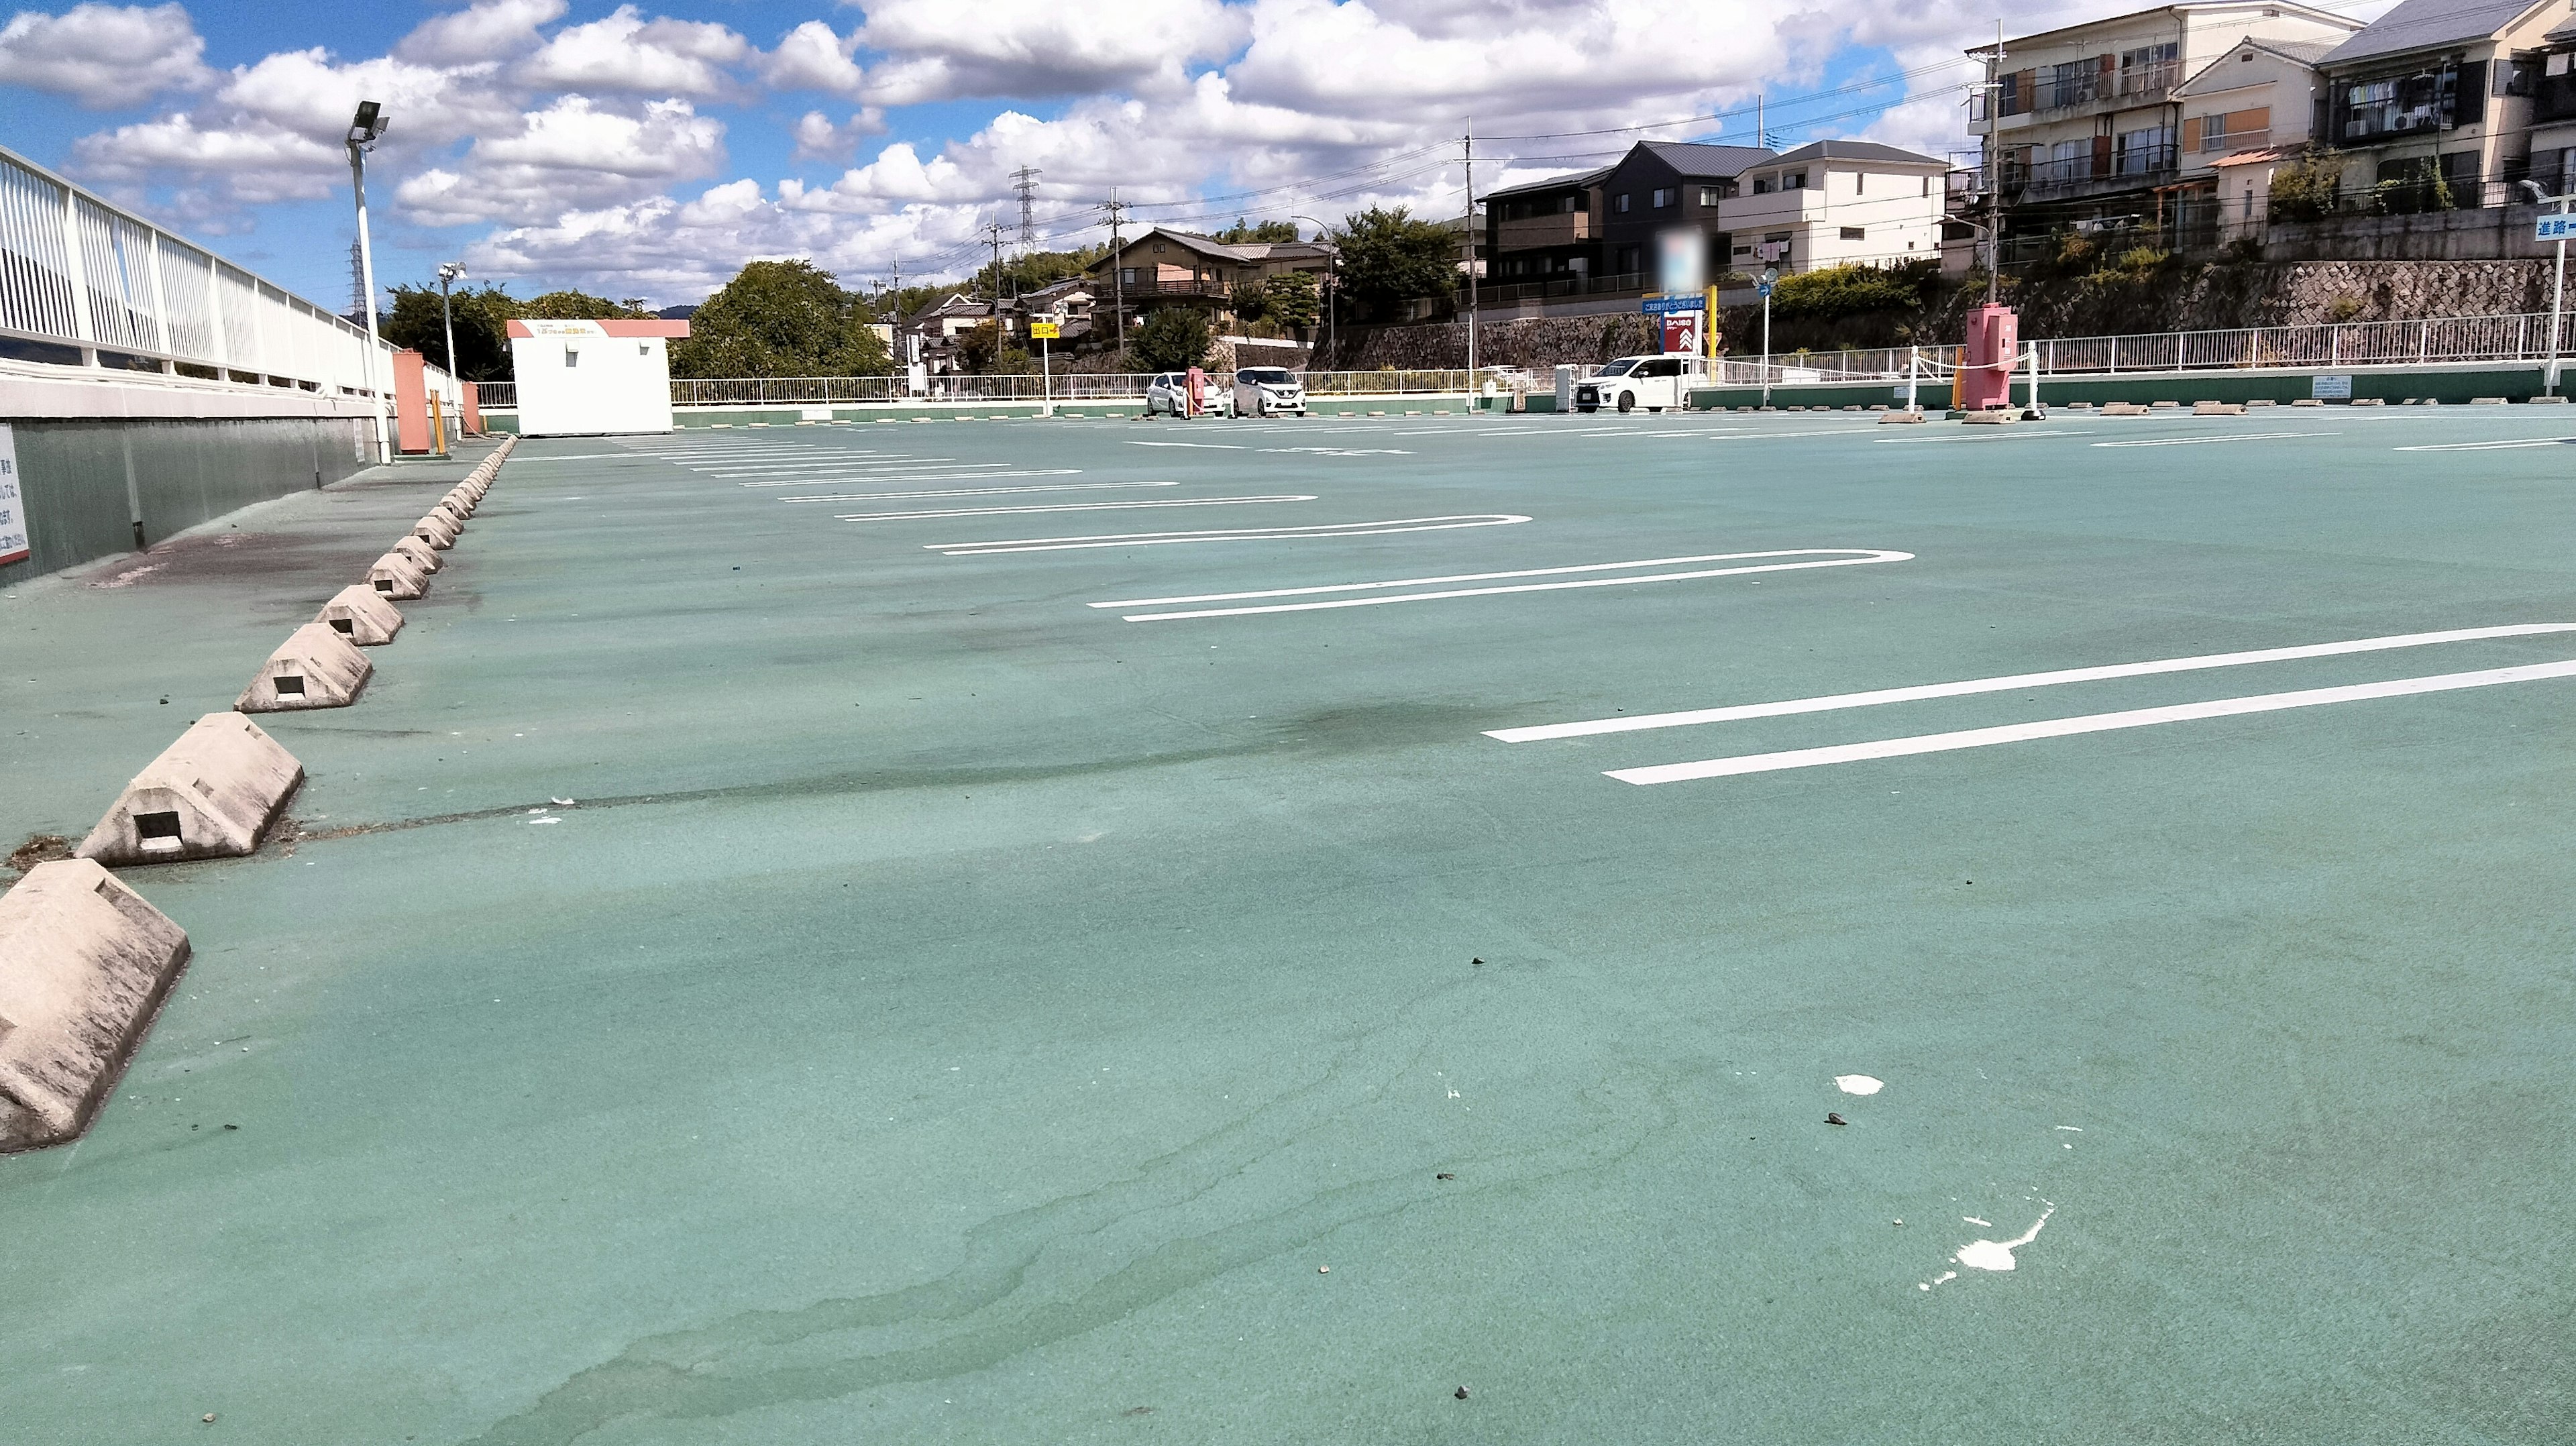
point(1762, 288)
point(2561, 227)
point(1666, 305)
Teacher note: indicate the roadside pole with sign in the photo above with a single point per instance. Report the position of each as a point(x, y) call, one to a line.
point(14, 546)
point(2556, 228)
point(1770, 278)
point(1044, 332)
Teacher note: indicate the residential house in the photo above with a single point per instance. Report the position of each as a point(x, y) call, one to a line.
point(2085, 127)
point(2435, 104)
point(1831, 203)
point(1822, 204)
point(2244, 115)
point(1164, 267)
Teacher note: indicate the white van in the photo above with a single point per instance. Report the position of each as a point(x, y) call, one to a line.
point(1652, 382)
point(1268, 391)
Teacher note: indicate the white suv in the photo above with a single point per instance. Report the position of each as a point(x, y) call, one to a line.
point(1651, 382)
point(1169, 393)
point(1262, 391)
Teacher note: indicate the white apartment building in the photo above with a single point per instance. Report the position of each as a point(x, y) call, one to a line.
point(1829, 203)
point(2088, 127)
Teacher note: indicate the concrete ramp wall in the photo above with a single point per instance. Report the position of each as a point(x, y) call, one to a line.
point(84, 962)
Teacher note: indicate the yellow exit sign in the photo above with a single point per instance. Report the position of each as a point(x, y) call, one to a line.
point(1045, 331)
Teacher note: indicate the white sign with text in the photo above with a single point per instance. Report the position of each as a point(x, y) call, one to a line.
point(13, 501)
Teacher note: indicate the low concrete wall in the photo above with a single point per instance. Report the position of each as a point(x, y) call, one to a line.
point(691, 418)
point(2393, 384)
point(96, 488)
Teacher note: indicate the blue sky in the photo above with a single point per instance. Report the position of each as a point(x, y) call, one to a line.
point(650, 149)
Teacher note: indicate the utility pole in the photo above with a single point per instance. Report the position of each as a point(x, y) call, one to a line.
point(1994, 186)
point(1761, 128)
point(1117, 276)
point(1470, 154)
point(995, 228)
point(1025, 181)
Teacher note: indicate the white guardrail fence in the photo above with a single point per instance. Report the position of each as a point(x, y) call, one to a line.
point(2515, 337)
point(86, 284)
point(2443, 340)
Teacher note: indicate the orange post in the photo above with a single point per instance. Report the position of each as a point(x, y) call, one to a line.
point(411, 403)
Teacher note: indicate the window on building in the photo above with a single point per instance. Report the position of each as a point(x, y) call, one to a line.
point(2150, 68)
point(1660, 197)
point(1855, 233)
point(1765, 185)
point(2519, 77)
point(1158, 248)
point(1619, 203)
point(1709, 195)
point(2143, 152)
point(1793, 181)
point(2400, 104)
point(1860, 183)
point(1127, 274)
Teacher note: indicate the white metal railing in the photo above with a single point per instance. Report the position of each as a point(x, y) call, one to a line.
point(1074, 387)
point(2512, 337)
point(84, 283)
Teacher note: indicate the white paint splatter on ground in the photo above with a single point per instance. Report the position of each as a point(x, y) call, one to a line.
point(1858, 1084)
point(1992, 1254)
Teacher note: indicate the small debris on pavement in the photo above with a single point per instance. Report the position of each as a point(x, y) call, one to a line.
point(1834, 1119)
point(1444, 1175)
point(1462, 1393)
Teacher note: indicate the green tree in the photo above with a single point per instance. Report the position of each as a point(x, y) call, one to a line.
point(2307, 189)
point(1173, 338)
point(579, 306)
point(978, 345)
point(1388, 258)
point(781, 319)
point(1837, 291)
point(1292, 298)
point(1032, 269)
point(482, 329)
point(1271, 232)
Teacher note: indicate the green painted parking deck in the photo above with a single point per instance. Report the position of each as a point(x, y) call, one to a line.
point(1235, 931)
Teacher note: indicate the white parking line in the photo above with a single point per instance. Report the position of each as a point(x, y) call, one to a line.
point(1833, 557)
point(1209, 446)
point(2491, 446)
point(1068, 507)
point(1834, 702)
point(970, 491)
point(918, 477)
point(1230, 534)
point(2208, 439)
point(2089, 723)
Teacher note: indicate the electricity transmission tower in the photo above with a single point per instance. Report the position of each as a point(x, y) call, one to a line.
point(1025, 181)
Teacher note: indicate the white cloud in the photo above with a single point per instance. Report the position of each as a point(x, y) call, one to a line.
point(104, 56)
point(572, 155)
point(817, 139)
point(255, 166)
point(941, 50)
point(814, 57)
point(626, 52)
point(473, 36)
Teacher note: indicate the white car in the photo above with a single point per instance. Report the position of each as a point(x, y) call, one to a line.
point(1266, 391)
point(1652, 382)
point(1169, 395)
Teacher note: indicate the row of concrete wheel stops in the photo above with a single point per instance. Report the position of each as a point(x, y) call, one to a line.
point(85, 961)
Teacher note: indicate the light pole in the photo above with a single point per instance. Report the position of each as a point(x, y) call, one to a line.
point(1770, 278)
point(2557, 286)
point(365, 129)
point(1330, 277)
point(449, 273)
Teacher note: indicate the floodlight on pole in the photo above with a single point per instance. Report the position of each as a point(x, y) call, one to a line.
point(365, 129)
point(449, 273)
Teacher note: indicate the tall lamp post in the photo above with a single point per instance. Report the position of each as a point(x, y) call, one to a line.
point(365, 129)
point(450, 272)
point(1331, 278)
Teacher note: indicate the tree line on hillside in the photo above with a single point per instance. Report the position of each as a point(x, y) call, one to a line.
point(792, 318)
